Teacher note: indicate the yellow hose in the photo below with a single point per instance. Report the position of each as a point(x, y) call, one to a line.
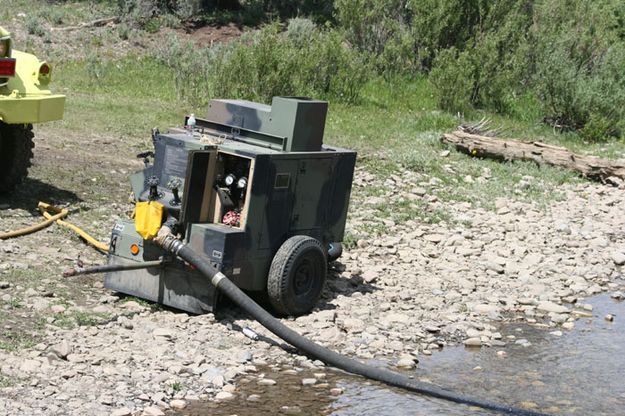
point(89, 239)
point(60, 213)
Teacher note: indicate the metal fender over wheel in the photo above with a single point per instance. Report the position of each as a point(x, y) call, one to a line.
point(297, 275)
point(335, 250)
point(16, 151)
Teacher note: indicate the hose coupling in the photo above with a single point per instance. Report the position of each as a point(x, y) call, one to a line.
point(168, 241)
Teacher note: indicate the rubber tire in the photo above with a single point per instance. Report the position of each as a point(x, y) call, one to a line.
point(335, 250)
point(16, 152)
point(296, 252)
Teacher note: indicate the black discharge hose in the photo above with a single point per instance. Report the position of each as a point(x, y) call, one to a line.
point(220, 281)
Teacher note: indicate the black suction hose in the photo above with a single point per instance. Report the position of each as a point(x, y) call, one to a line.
point(220, 281)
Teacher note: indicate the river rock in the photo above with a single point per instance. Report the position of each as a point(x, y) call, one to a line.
point(424, 292)
point(406, 361)
point(546, 306)
point(178, 404)
point(353, 325)
point(336, 391)
point(485, 309)
point(291, 410)
point(473, 342)
point(618, 257)
point(369, 276)
point(434, 238)
point(163, 333)
point(62, 350)
point(152, 411)
point(30, 366)
point(57, 309)
point(224, 395)
point(308, 381)
point(618, 295)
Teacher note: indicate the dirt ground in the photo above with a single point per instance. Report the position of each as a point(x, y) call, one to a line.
point(211, 35)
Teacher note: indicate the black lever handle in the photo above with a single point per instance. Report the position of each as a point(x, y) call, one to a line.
point(174, 185)
point(146, 157)
point(153, 182)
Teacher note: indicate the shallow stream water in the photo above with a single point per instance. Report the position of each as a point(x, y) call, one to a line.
point(581, 372)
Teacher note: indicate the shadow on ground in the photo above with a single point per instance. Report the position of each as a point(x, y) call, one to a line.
point(28, 194)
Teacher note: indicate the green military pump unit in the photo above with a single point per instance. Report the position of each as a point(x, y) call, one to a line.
point(252, 187)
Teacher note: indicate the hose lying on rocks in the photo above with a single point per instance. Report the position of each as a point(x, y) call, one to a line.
point(168, 242)
point(58, 214)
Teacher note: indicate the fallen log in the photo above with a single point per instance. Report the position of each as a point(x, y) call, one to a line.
point(543, 154)
point(94, 23)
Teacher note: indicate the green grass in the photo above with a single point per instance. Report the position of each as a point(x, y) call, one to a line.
point(118, 97)
point(397, 126)
point(16, 341)
point(145, 303)
point(61, 13)
point(75, 319)
point(5, 382)
point(177, 386)
point(15, 303)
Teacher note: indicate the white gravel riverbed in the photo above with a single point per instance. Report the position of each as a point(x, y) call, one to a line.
point(392, 297)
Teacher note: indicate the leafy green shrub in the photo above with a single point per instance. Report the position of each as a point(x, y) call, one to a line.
point(442, 24)
point(579, 58)
point(34, 26)
point(152, 25)
point(569, 55)
point(267, 63)
point(56, 16)
point(487, 72)
point(452, 80)
point(186, 9)
point(318, 10)
point(144, 13)
point(301, 31)
point(96, 68)
point(404, 36)
point(123, 31)
point(381, 30)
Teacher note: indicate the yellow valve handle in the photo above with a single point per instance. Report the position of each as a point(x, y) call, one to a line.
point(148, 218)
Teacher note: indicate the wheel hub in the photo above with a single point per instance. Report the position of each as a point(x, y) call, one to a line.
point(303, 278)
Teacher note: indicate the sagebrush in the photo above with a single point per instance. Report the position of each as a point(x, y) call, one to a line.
point(267, 63)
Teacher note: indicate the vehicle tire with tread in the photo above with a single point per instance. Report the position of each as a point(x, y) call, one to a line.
point(297, 275)
point(16, 152)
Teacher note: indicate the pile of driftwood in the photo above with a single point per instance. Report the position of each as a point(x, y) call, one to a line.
point(473, 140)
